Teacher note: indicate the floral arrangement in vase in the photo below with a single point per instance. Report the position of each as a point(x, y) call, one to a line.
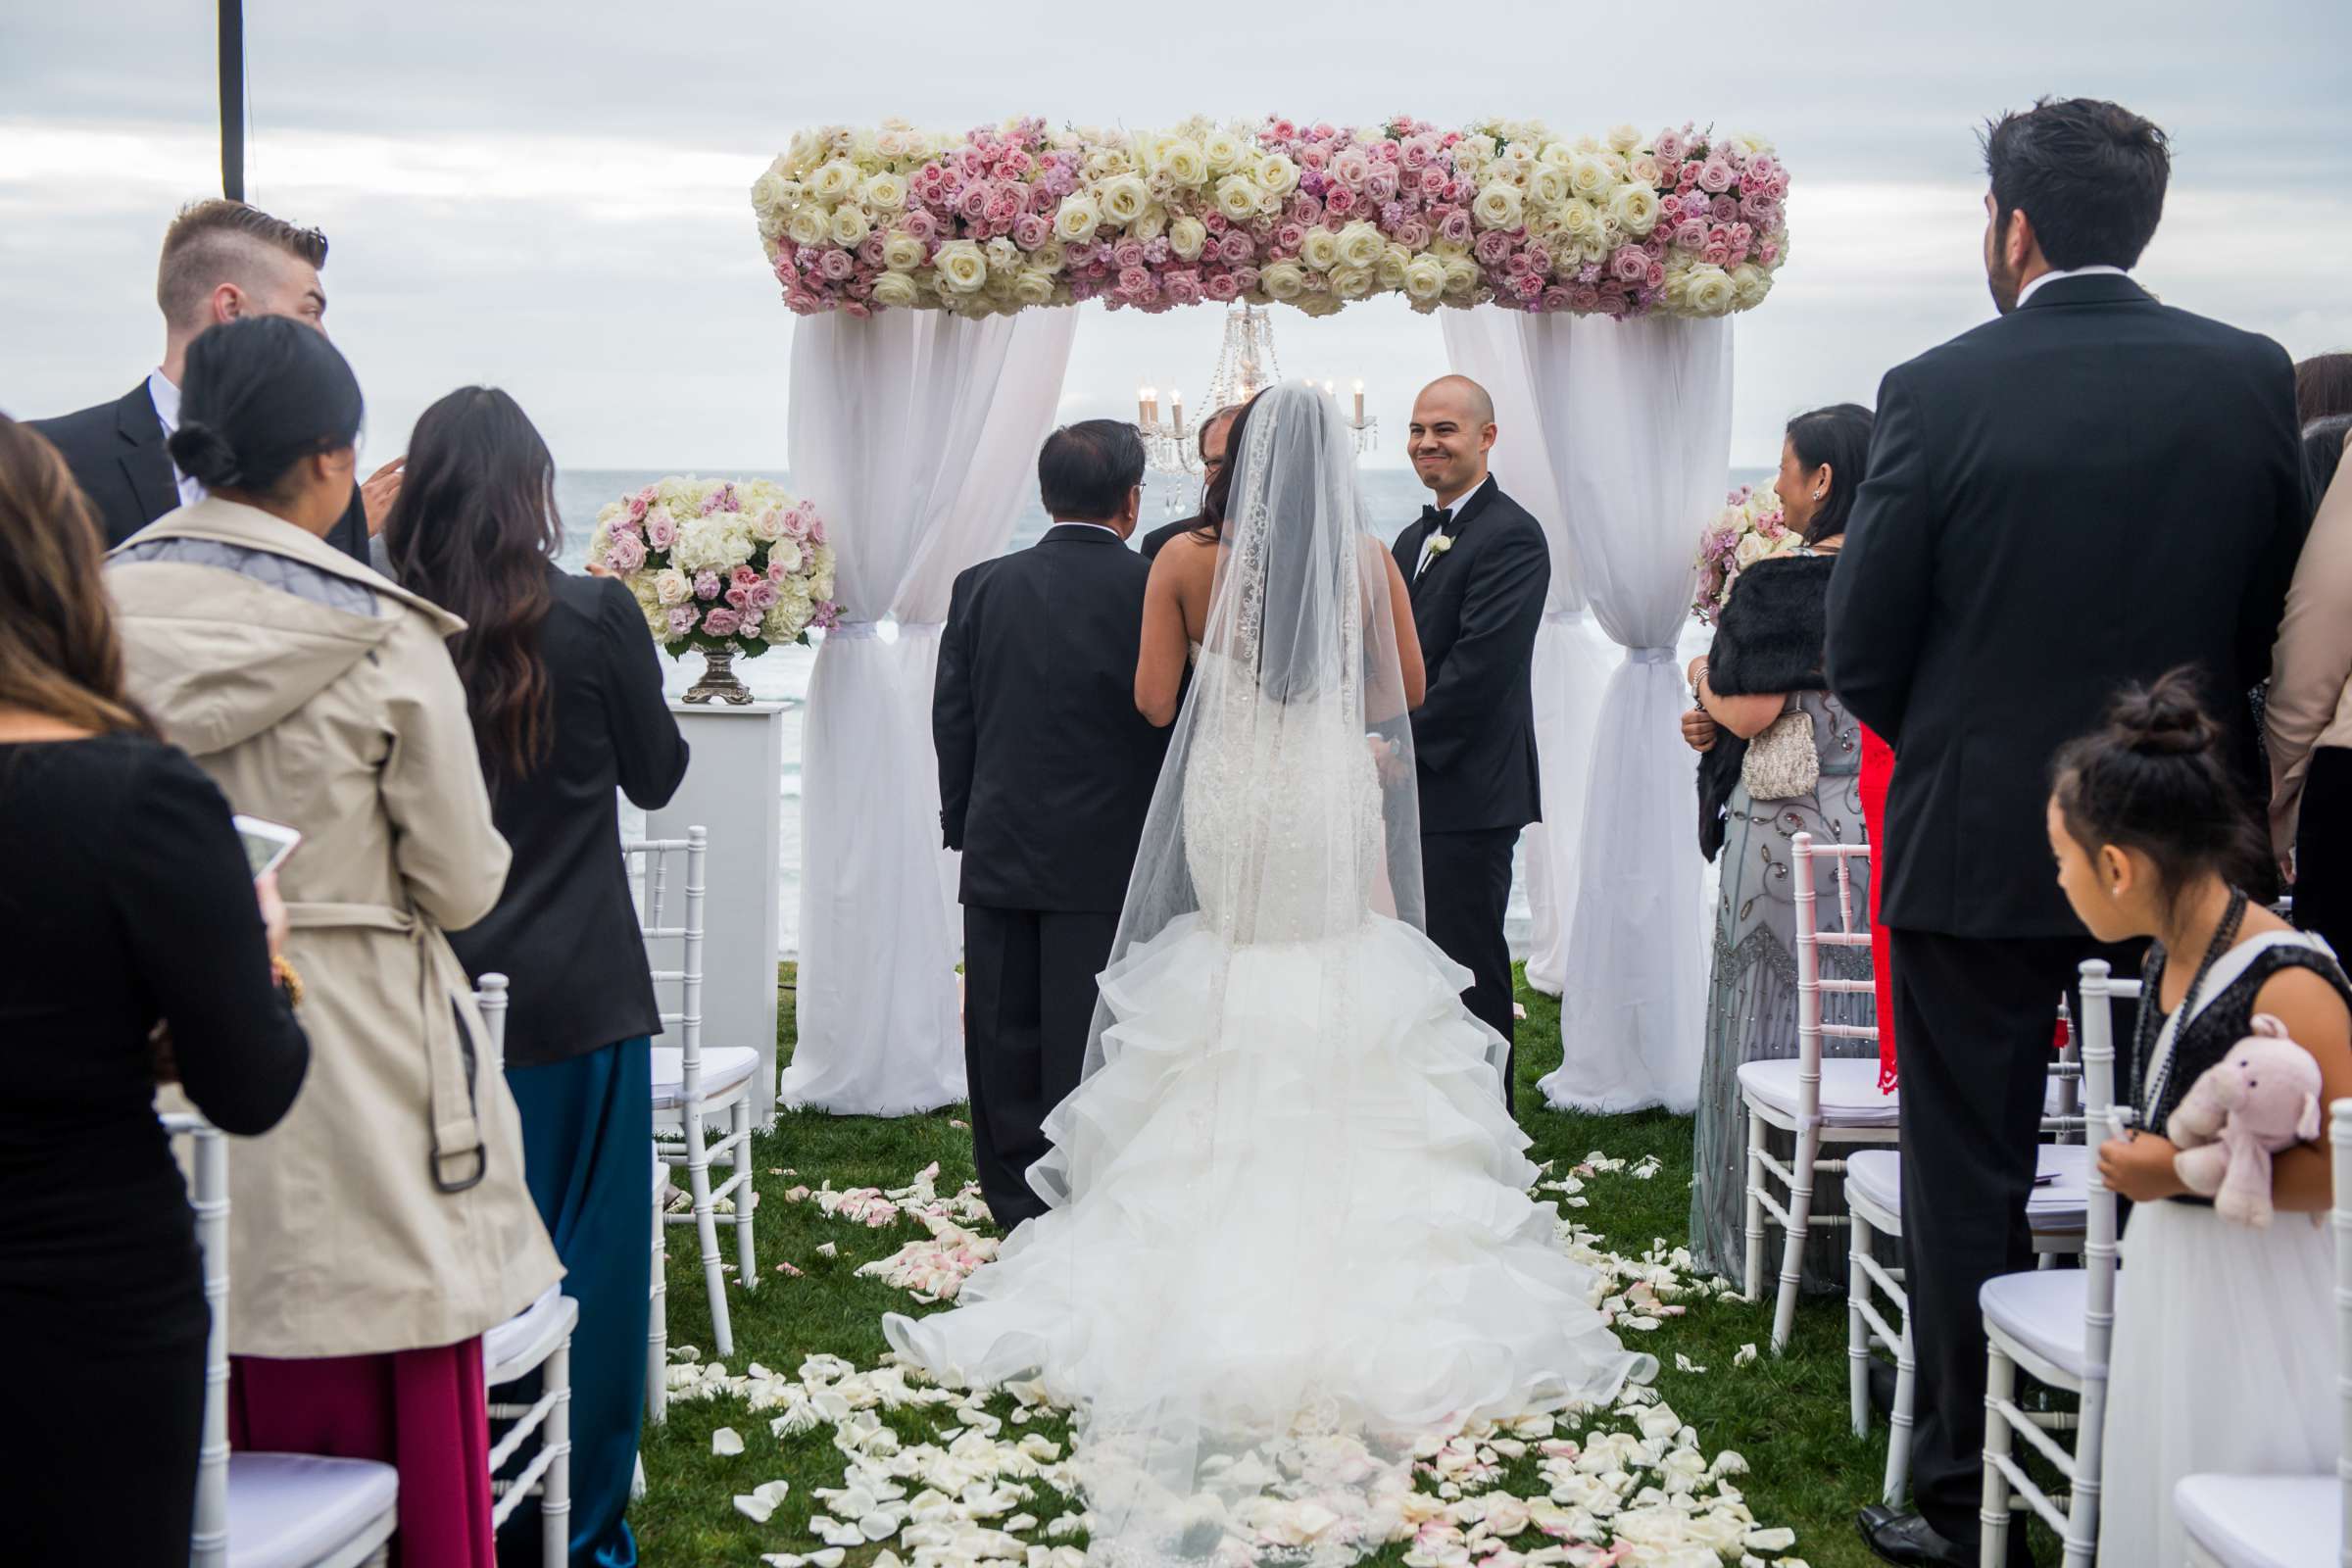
point(1679, 222)
point(1747, 530)
point(727, 566)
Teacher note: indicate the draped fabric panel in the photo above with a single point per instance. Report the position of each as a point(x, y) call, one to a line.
point(915, 434)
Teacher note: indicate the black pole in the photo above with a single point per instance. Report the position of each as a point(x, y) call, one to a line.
point(232, 99)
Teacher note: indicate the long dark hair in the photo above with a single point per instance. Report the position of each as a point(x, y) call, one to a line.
point(2322, 386)
point(59, 652)
point(2323, 454)
point(260, 394)
point(475, 531)
point(1219, 493)
point(2155, 777)
point(1839, 436)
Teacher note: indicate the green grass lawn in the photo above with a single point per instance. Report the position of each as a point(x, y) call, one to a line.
point(1787, 1416)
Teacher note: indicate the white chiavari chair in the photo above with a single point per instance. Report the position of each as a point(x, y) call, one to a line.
point(2056, 1325)
point(1821, 1102)
point(2287, 1521)
point(266, 1510)
point(694, 1083)
point(537, 1338)
point(656, 1326)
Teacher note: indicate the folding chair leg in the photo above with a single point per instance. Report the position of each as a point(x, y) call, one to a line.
point(1857, 1331)
point(747, 1262)
point(656, 1331)
point(1898, 1431)
point(1799, 1230)
point(705, 1229)
point(1752, 1279)
point(555, 1496)
point(1992, 1528)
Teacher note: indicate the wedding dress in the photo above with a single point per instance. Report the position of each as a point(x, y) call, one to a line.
point(1291, 1235)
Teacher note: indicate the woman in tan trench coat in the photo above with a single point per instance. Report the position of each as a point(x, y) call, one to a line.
point(383, 1226)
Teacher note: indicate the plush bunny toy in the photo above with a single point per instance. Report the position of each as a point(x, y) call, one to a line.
point(2261, 1097)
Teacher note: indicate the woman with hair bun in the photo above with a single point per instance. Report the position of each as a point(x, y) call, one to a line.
point(2225, 1343)
point(384, 1225)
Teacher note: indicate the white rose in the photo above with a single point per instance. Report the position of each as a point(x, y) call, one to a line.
point(1278, 174)
point(1182, 162)
point(1461, 275)
point(1077, 217)
point(901, 252)
point(1151, 223)
point(787, 554)
point(1352, 284)
point(1624, 138)
point(769, 192)
point(1282, 280)
point(806, 227)
point(1033, 285)
point(835, 180)
point(1124, 199)
point(961, 267)
point(1360, 245)
point(885, 192)
point(1548, 184)
point(1576, 217)
point(1588, 176)
point(1049, 256)
point(670, 587)
point(1711, 291)
point(1424, 278)
point(1187, 235)
point(1320, 250)
point(895, 291)
point(1390, 270)
point(1636, 209)
point(1497, 206)
point(1750, 285)
point(849, 226)
point(1645, 168)
point(1005, 258)
point(1752, 547)
point(1237, 196)
point(1222, 150)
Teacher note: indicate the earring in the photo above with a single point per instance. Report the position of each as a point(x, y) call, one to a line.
point(1817, 495)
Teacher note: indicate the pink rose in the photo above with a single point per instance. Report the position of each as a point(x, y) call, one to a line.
point(1016, 164)
point(681, 619)
point(660, 529)
point(1584, 296)
point(1769, 252)
point(1244, 278)
point(1539, 259)
point(1656, 275)
point(1045, 196)
point(1005, 204)
point(739, 598)
point(1433, 181)
point(1281, 129)
point(1135, 282)
point(922, 226)
point(1688, 175)
point(1381, 186)
point(836, 265)
point(1556, 298)
point(705, 585)
point(1493, 248)
point(1630, 265)
point(722, 622)
point(1156, 250)
point(1715, 175)
point(796, 522)
point(1237, 247)
point(624, 553)
point(777, 573)
point(638, 504)
point(1288, 238)
point(1313, 157)
point(1222, 288)
point(1126, 253)
point(1691, 233)
point(1528, 286)
point(1669, 147)
point(1339, 201)
point(1351, 165)
point(1031, 230)
point(764, 597)
point(1456, 227)
point(1717, 254)
point(816, 529)
point(1183, 289)
point(1412, 234)
point(1415, 153)
point(743, 576)
point(972, 204)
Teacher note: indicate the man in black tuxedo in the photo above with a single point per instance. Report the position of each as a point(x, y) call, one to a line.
point(220, 260)
point(1046, 772)
point(1479, 568)
point(2086, 491)
point(1214, 432)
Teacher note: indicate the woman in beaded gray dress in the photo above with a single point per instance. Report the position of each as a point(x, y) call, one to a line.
point(1766, 662)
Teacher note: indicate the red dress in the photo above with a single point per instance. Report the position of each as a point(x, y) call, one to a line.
point(1878, 776)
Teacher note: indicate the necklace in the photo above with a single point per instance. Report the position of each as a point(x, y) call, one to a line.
point(2146, 1036)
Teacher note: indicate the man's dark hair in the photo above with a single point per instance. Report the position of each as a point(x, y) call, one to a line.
point(2089, 175)
point(1086, 469)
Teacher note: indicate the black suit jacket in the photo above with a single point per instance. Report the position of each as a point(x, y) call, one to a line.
point(1478, 608)
point(2080, 494)
point(1158, 537)
point(116, 451)
point(1046, 769)
point(564, 932)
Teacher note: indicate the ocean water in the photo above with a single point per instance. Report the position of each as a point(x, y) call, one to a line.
point(1393, 496)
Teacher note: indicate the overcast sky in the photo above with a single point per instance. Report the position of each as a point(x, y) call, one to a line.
point(552, 196)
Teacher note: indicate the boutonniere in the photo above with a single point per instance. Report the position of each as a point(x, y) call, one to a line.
point(1441, 544)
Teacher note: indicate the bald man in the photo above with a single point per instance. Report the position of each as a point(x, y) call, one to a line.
point(1479, 568)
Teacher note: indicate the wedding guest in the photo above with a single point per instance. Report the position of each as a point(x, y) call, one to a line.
point(222, 261)
point(1215, 431)
point(2224, 1332)
point(564, 689)
point(2309, 719)
point(1972, 623)
point(1046, 772)
point(1479, 568)
point(1765, 667)
point(2322, 386)
point(384, 1224)
point(128, 902)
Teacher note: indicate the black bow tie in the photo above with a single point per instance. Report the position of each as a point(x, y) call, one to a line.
point(1441, 518)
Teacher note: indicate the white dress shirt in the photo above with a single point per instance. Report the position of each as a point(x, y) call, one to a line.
point(1081, 522)
point(166, 398)
point(2092, 270)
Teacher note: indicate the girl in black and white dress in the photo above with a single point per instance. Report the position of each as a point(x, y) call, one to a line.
point(2224, 1355)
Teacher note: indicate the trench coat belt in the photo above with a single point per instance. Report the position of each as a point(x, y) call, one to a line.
point(449, 1062)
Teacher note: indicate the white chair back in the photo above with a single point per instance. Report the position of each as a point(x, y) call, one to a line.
point(491, 999)
point(208, 1543)
point(2340, 1134)
point(2100, 990)
point(667, 880)
point(1810, 939)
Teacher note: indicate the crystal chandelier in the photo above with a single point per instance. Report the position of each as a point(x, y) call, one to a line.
point(1246, 366)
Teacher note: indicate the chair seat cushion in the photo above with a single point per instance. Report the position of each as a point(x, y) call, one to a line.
point(1849, 1090)
point(725, 1069)
point(1875, 1176)
point(2043, 1310)
point(289, 1510)
point(524, 1340)
point(2264, 1521)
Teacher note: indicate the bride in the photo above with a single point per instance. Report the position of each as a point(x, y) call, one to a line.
point(1290, 1236)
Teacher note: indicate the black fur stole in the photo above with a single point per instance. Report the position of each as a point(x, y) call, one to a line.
point(1769, 638)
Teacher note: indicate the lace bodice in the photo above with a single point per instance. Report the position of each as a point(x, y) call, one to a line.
point(1270, 861)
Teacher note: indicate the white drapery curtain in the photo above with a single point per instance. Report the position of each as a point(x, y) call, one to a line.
point(1572, 658)
point(1638, 417)
point(916, 435)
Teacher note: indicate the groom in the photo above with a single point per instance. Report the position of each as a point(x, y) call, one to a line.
point(1046, 772)
point(1479, 568)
